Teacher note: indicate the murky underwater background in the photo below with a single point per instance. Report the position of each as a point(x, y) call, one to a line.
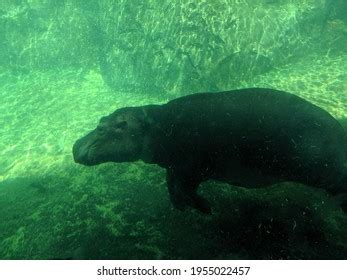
point(66, 63)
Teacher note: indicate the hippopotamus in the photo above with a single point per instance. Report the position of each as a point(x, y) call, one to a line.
point(251, 138)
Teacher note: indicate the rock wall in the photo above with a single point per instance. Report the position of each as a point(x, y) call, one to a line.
point(157, 46)
point(202, 45)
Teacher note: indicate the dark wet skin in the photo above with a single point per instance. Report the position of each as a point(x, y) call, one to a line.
point(250, 138)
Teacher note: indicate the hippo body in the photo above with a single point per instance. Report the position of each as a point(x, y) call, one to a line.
point(249, 137)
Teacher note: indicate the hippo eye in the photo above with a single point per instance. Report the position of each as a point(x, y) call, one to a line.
point(121, 125)
point(101, 129)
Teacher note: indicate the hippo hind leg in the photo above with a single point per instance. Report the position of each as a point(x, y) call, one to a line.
point(340, 186)
point(339, 190)
point(319, 162)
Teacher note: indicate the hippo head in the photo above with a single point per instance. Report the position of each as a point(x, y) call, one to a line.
point(118, 137)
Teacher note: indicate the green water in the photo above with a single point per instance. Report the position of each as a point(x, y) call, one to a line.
point(64, 64)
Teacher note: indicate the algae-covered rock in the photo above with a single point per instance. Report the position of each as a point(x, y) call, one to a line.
point(164, 46)
point(200, 45)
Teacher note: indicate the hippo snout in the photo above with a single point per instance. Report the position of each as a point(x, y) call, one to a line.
point(81, 149)
point(79, 155)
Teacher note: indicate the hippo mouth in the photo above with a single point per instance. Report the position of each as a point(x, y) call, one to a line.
point(83, 152)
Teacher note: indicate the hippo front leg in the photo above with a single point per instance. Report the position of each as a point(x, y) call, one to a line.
point(182, 192)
